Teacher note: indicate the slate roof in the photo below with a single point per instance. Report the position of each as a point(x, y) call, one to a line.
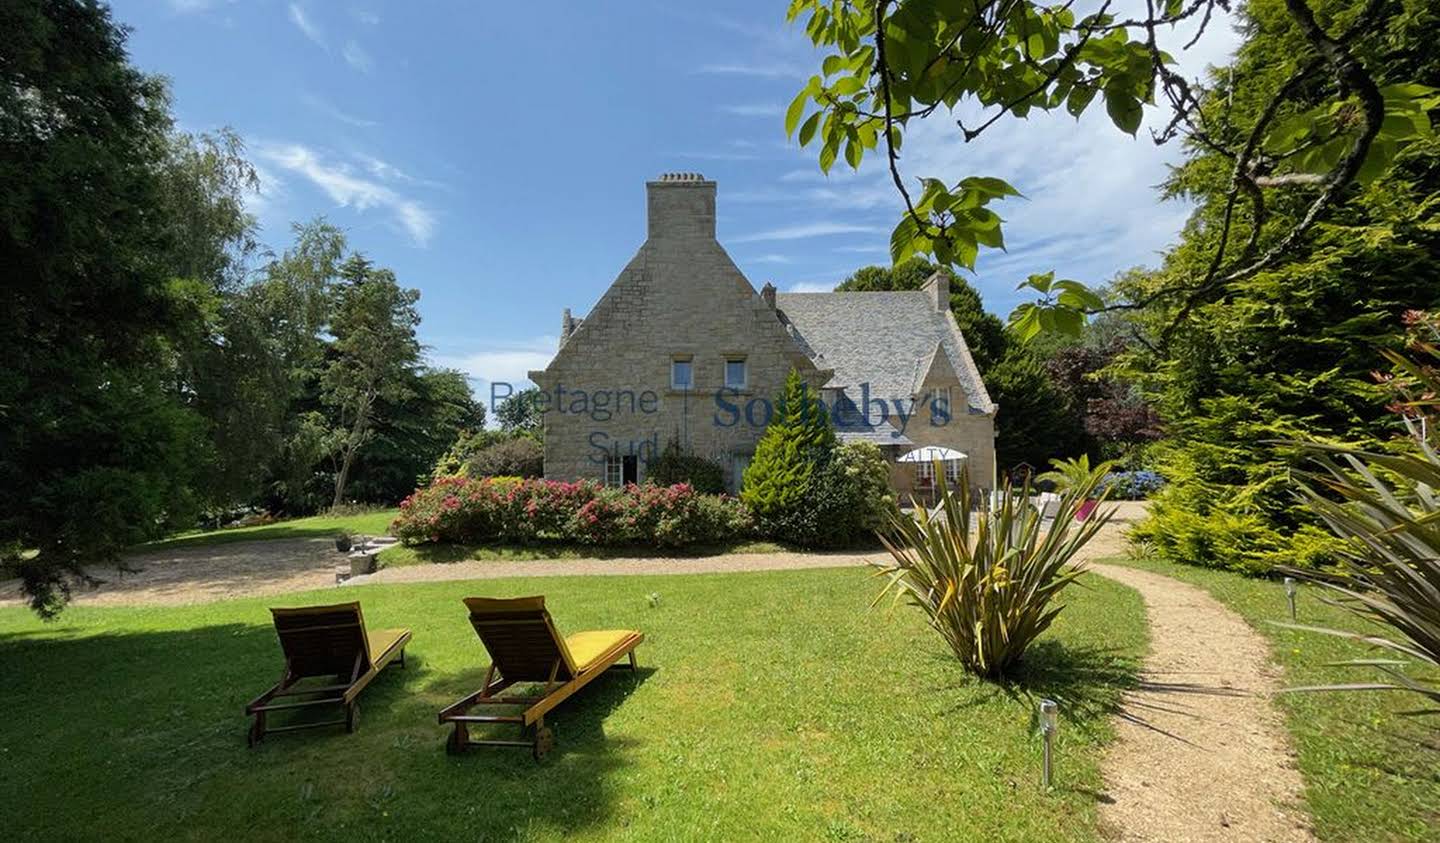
point(885, 339)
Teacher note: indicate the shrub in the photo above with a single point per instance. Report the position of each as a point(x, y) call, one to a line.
point(466, 445)
point(795, 445)
point(464, 510)
point(986, 584)
point(677, 466)
point(1131, 485)
point(849, 501)
point(518, 457)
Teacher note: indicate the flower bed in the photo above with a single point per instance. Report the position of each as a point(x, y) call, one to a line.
point(462, 510)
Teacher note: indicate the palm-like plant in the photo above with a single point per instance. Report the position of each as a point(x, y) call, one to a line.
point(1387, 505)
point(987, 579)
point(1068, 474)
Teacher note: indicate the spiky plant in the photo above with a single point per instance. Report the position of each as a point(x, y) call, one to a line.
point(1067, 474)
point(986, 578)
point(1387, 505)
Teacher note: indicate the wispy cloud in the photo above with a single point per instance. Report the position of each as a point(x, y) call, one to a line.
point(186, 7)
point(307, 26)
point(346, 188)
point(811, 287)
point(331, 111)
point(763, 109)
point(356, 57)
point(366, 16)
point(763, 71)
point(770, 259)
point(804, 231)
point(500, 363)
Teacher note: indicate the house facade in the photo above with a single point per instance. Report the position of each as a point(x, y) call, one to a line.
point(681, 348)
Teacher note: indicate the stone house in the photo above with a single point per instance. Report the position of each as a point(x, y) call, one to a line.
point(682, 348)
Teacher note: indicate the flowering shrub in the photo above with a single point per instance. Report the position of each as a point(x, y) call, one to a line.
point(460, 509)
point(1131, 485)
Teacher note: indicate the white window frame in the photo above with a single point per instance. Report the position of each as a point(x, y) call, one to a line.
point(938, 392)
point(744, 371)
point(674, 384)
point(925, 473)
point(952, 470)
point(614, 471)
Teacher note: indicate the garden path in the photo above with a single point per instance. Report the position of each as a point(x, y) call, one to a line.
point(1201, 752)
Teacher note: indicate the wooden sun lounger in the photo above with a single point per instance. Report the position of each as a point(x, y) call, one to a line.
point(524, 646)
point(325, 641)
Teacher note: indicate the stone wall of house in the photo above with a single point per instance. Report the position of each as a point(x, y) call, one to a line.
point(681, 296)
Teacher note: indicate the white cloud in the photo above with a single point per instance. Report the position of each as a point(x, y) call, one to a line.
point(356, 57)
point(770, 259)
point(805, 230)
point(186, 7)
point(811, 287)
point(334, 113)
point(500, 363)
point(339, 181)
point(762, 70)
point(305, 25)
point(366, 16)
point(765, 109)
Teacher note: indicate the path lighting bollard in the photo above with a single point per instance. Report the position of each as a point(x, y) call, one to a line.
point(1049, 722)
point(1291, 589)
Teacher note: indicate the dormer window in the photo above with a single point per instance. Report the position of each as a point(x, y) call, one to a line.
point(938, 397)
point(682, 374)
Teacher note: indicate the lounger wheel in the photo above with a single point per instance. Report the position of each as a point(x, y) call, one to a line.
point(352, 716)
point(544, 742)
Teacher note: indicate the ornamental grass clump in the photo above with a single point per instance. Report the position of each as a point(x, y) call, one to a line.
point(986, 578)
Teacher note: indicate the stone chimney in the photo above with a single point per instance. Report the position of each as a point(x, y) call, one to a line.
point(567, 325)
point(768, 294)
point(937, 286)
point(681, 206)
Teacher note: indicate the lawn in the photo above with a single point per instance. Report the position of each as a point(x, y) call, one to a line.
point(424, 554)
point(1370, 772)
point(376, 523)
point(768, 705)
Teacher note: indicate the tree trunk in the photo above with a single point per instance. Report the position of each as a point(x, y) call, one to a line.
point(342, 477)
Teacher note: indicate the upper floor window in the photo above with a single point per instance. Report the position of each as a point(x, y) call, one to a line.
point(736, 375)
point(682, 374)
point(939, 399)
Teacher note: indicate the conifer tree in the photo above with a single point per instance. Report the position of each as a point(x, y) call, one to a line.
point(797, 441)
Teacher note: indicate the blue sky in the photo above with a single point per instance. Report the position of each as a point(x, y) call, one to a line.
point(495, 155)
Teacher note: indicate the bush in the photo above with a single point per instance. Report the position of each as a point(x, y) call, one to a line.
point(676, 466)
point(794, 448)
point(986, 583)
point(517, 457)
point(1131, 485)
point(849, 500)
point(464, 510)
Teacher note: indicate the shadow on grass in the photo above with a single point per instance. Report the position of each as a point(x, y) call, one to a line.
point(1086, 681)
point(147, 730)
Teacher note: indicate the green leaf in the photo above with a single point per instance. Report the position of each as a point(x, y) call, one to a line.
point(833, 65)
point(1080, 97)
point(1122, 106)
point(846, 86)
point(853, 151)
point(902, 239)
point(989, 186)
point(794, 112)
point(807, 131)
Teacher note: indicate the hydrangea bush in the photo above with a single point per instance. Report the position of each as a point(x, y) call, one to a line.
point(1131, 485)
point(465, 510)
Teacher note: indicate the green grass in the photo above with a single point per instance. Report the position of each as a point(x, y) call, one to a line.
point(1371, 773)
point(424, 554)
point(768, 706)
point(375, 523)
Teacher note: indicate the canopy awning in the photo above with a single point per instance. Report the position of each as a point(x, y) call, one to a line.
point(930, 453)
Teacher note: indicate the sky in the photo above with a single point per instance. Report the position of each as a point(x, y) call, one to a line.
point(495, 155)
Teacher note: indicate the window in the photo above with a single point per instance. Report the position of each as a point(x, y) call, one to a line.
point(739, 464)
point(613, 471)
point(682, 375)
point(735, 375)
point(925, 474)
point(939, 397)
point(622, 470)
point(952, 470)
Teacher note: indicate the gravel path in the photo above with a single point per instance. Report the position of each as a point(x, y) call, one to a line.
point(1201, 752)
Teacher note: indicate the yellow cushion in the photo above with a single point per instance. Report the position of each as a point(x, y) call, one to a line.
point(587, 647)
point(383, 640)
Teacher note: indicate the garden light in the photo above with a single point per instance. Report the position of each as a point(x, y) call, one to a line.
point(1291, 589)
point(1049, 723)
